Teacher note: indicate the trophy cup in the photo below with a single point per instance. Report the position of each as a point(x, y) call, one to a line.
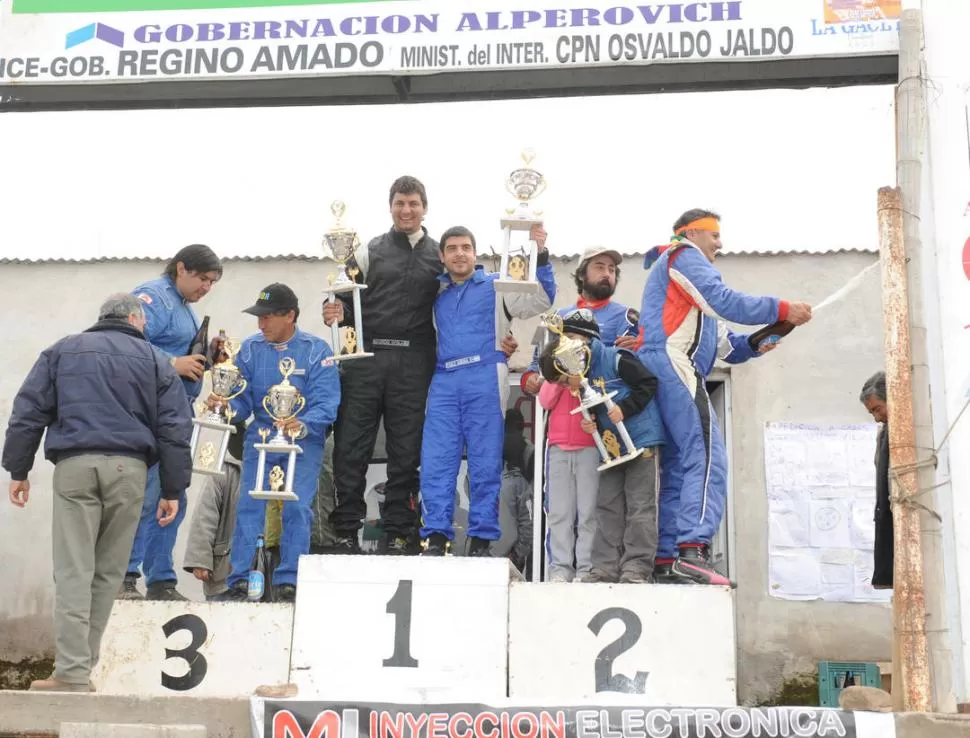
point(572, 357)
point(211, 430)
point(343, 242)
point(282, 402)
point(517, 272)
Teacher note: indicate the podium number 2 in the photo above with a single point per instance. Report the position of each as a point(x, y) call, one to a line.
point(400, 607)
point(606, 680)
point(190, 654)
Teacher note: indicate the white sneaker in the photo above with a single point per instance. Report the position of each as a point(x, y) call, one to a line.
point(559, 578)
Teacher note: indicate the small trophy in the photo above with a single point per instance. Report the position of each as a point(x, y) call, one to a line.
point(572, 357)
point(517, 272)
point(282, 402)
point(343, 242)
point(211, 430)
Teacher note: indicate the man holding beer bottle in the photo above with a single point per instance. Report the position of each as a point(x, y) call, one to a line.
point(174, 331)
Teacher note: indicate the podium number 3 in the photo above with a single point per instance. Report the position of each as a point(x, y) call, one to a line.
point(606, 680)
point(400, 607)
point(190, 654)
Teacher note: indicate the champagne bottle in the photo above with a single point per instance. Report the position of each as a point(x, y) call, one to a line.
point(257, 572)
point(770, 334)
point(200, 343)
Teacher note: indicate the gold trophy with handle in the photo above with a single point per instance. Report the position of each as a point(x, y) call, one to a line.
point(211, 429)
point(282, 403)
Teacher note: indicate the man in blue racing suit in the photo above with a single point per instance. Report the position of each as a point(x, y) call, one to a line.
point(317, 380)
point(683, 315)
point(469, 389)
point(171, 324)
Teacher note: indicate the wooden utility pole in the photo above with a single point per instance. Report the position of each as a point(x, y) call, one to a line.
point(911, 675)
point(911, 129)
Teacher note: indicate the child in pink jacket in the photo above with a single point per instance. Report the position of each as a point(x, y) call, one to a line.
point(572, 481)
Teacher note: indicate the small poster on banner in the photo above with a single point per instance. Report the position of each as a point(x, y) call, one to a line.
point(861, 11)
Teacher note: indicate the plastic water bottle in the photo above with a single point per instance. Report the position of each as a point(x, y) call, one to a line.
point(257, 572)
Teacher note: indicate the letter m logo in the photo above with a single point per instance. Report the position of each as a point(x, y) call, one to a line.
point(327, 724)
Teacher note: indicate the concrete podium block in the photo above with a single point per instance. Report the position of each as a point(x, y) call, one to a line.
point(219, 649)
point(130, 730)
point(640, 644)
point(368, 627)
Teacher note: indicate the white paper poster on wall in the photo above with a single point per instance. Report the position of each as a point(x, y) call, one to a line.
point(821, 487)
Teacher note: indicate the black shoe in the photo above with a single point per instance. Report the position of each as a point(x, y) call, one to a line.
point(478, 547)
point(285, 593)
point(437, 544)
point(346, 546)
point(662, 574)
point(694, 565)
point(129, 589)
point(395, 546)
point(165, 592)
point(239, 592)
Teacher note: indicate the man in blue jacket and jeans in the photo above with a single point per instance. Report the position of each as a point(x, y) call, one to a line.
point(112, 407)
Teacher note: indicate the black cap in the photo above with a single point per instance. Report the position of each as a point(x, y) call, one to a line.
point(273, 298)
point(581, 322)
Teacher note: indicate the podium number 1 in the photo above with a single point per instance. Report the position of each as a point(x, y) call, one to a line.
point(400, 607)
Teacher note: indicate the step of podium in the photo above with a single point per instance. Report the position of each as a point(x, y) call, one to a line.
point(639, 644)
point(130, 730)
point(399, 624)
point(222, 649)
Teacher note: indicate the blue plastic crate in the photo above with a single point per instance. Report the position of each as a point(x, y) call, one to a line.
point(834, 676)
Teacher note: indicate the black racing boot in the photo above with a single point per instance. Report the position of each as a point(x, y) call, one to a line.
point(437, 544)
point(478, 547)
point(239, 592)
point(165, 592)
point(129, 589)
point(396, 546)
point(346, 546)
point(662, 573)
point(694, 566)
point(285, 593)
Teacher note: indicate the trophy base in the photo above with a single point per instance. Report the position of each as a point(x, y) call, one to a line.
point(524, 223)
point(343, 288)
point(216, 422)
point(516, 285)
point(208, 471)
point(265, 494)
point(618, 460)
point(355, 355)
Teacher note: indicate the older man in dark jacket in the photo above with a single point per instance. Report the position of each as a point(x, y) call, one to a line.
point(112, 407)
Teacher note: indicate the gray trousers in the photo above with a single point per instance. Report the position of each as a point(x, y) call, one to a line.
point(571, 491)
point(97, 504)
point(626, 518)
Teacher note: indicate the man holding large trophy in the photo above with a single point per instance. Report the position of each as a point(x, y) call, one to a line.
point(293, 392)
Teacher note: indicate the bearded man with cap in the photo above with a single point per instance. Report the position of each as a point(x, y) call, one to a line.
point(315, 376)
point(684, 316)
point(596, 278)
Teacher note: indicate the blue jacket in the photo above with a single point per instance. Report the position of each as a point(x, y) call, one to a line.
point(685, 306)
point(316, 377)
point(104, 391)
point(172, 324)
point(645, 427)
point(472, 319)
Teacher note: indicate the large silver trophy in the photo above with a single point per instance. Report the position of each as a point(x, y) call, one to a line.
point(343, 242)
point(572, 357)
point(282, 402)
point(517, 271)
point(211, 428)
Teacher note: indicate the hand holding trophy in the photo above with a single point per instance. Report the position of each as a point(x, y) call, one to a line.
point(572, 357)
point(517, 272)
point(282, 403)
point(212, 428)
point(343, 242)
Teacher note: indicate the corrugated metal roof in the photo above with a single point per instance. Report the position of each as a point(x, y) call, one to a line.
point(302, 257)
